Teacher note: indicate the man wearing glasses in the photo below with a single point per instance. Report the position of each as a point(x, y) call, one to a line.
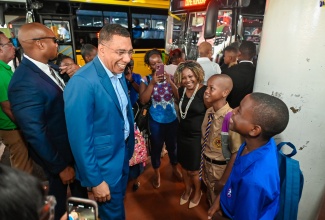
point(100, 121)
point(9, 132)
point(36, 97)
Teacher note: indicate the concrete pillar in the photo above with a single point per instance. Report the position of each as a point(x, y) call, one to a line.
point(291, 66)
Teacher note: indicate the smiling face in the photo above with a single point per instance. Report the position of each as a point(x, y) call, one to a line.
point(242, 117)
point(188, 79)
point(115, 53)
point(215, 90)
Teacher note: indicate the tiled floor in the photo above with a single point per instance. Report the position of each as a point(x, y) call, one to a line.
point(163, 203)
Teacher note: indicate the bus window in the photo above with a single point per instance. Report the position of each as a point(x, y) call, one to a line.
point(61, 29)
point(87, 18)
point(116, 18)
point(148, 26)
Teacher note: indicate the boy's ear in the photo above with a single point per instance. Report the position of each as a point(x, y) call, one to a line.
point(255, 131)
point(225, 93)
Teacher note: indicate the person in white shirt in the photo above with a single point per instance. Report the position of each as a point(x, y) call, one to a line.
point(210, 68)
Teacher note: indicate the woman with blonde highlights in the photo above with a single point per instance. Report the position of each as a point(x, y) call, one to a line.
point(190, 76)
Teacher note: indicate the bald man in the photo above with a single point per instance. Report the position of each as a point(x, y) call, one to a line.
point(216, 167)
point(36, 97)
point(210, 68)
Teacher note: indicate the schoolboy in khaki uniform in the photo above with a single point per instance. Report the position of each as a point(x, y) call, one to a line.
point(215, 167)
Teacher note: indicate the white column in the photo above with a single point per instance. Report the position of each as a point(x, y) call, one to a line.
point(291, 66)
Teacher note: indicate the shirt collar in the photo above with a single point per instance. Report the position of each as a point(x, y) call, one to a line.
point(109, 73)
point(203, 59)
point(246, 61)
point(254, 155)
point(44, 67)
point(5, 65)
point(221, 112)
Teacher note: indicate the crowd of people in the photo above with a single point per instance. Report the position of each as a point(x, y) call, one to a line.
point(77, 123)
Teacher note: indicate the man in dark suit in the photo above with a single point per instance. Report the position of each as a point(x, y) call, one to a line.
point(242, 74)
point(36, 97)
point(100, 121)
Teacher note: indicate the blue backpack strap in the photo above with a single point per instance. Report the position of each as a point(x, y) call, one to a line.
point(294, 150)
point(291, 183)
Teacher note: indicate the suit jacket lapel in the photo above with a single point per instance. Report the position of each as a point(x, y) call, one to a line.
point(106, 82)
point(43, 75)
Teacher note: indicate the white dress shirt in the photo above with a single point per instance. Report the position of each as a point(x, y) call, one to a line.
point(210, 68)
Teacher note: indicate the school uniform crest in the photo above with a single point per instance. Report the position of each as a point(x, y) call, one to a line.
point(217, 143)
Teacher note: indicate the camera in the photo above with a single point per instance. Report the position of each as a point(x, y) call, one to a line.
point(79, 208)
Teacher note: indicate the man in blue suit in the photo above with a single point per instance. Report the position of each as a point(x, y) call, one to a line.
point(36, 97)
point(100, 121)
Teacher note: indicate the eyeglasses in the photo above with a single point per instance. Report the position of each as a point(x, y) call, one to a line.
point(9, 44)
point(55, 40)
point(121, 52)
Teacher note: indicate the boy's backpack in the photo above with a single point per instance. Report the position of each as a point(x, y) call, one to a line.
point(291, 183)
point(225, 135)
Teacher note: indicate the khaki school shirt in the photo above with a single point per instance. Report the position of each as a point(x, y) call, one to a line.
point(213, 149)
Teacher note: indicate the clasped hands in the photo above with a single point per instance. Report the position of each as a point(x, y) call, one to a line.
point(102, 192)
point(67, 175)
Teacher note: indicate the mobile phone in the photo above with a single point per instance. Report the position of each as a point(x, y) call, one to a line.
point(79, 208)
point(160, 69)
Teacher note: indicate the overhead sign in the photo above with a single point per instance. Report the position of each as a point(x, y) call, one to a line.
point(190, 3)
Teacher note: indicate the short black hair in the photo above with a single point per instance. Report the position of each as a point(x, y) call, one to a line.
point(60, 58)
point(86, 49)
point(149, 53)
point(22, 195)
point(248, 49)
point(231, 49)
point(270, 113)
point(109, 30)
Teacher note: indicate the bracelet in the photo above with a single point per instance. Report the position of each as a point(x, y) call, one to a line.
point(131, 81)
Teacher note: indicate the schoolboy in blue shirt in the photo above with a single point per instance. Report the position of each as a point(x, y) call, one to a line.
point(253, 187)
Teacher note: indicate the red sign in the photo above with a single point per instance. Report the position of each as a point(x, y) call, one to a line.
point(194, 2)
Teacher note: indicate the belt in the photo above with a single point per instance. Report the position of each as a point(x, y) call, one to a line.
point(217, 162)
point(12, 129)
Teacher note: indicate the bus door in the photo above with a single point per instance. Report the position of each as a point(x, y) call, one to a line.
point(188, 21)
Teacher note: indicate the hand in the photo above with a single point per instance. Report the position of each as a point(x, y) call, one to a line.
point(102, 192)
point(168, 77)
point(70, 69)
point(154, 79)
point(67, 175)
point(128, 77)
point(214, 208)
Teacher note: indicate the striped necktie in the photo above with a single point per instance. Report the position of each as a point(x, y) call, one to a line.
point(206, 135)
point(56, 77)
